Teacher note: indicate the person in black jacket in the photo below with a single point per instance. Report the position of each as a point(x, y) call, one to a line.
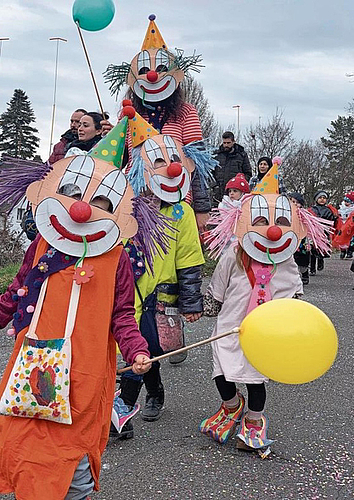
point(321, 209)
point(232, 159)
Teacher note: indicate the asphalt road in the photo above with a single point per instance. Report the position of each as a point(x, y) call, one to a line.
point(312, 457)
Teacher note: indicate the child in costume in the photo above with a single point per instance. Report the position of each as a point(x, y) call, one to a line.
point(163, 167)
point(345, 210)
point(57, 392)
point(302, 254)
point(322, 209)
point(258, 268)
point(235, 189)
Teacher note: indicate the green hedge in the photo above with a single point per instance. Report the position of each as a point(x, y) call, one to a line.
point(7, 274)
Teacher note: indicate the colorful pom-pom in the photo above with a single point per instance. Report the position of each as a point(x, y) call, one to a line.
point(129, 111)
point(11, 332)
point(16, 315)
point(152, 17)
point(37, 283)
point(30, 309)
point(21, 292)
point(278, 160)
point(127, 102)
point(15, 297)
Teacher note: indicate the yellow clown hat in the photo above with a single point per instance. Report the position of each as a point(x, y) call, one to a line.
point(270, 182)
point(140, 129)
point(111, 147)
point(153, 38)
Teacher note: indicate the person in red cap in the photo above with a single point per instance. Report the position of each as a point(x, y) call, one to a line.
point(235, 189)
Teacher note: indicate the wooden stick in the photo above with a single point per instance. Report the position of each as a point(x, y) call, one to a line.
point(91, 70)
point(184, 349)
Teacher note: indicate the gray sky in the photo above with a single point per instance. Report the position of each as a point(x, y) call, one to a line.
point(260, 54)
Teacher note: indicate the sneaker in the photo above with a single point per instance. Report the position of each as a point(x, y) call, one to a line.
point(121, 415)
point(223, 424)
point(320, 266)
point(349, 255)
point(305, 278)
point(313, 272)
point(175, 359)
point(252, 435)
point(342, 254)
point(153, 406)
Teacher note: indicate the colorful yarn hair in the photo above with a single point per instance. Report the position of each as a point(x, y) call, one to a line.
point(224, 220)
point(317, 230)
point(152, 237)
point(116, 76)
point(204, 162)
point(136, 173)
point(15, 177)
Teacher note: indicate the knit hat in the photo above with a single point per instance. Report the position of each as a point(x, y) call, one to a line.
point(238, 182)
point(319, 193)
point(266, 159)
point(349, 197)
point(298, 197)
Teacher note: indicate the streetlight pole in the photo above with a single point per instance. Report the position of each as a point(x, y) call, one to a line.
point(57, 39)
point(3, 39)
point(237, 106)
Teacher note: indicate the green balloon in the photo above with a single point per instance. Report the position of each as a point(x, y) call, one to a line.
point(93, 15)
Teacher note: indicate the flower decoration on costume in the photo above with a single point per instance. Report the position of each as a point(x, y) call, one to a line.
point(177, 212)
point(83, 274)
point(263, 276)
point(260, 301)
point(43, 267)
point(50, 253)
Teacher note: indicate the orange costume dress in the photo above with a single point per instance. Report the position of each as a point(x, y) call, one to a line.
point(38, 458)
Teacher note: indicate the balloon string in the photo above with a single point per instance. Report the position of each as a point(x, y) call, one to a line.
point(272, 261)
point(84, 254)
point(90, 68)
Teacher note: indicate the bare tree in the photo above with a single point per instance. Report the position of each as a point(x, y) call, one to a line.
point(273, 138)
point(306, 169)
point(194, 94)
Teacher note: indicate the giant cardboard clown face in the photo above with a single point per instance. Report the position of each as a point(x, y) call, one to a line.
point(154, 75)
point(83, 198)
point(167, 171)
point(269, 228)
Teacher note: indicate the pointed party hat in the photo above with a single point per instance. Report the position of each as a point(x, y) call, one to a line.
point(270, 182)
point(153, 38)
point(140, 129)
point(111, 147)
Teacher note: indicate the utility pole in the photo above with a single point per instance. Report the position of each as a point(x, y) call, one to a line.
point(3, 39)
point(56, 39)
point(237, 106)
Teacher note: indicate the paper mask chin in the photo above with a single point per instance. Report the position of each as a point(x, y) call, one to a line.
point(89, 180)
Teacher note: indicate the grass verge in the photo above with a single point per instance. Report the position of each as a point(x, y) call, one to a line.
point(7, 274)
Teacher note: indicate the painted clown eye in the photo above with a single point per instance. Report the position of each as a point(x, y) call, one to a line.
point(144, 63)
point(282, 211)
point(171, 148)
point(110, 192)
point(77, 177)
point(153, 152)
point(162, 61)
point(259, 210)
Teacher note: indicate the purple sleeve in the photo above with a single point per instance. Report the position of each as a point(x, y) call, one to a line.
point(7, 305)
point(124, 327)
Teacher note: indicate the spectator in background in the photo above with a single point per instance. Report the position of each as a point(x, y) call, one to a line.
point(89, 133)
point(232, 160)
point(263, 165)
point(69, 136)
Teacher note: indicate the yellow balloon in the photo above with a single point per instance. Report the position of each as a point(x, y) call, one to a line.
point(289, 341)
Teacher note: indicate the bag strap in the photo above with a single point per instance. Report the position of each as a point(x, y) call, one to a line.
point(72, 310)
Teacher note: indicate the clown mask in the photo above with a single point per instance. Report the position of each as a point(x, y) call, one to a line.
point(83, 198)
point(269, 228)
point(153, 75)
point(167, 171)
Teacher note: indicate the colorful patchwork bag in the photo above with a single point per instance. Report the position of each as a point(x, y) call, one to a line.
point(39, 384)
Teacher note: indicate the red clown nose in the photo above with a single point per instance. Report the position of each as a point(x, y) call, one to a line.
point(80, 211)
point(152, 76)
point(174, 169)
point(274, 233)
